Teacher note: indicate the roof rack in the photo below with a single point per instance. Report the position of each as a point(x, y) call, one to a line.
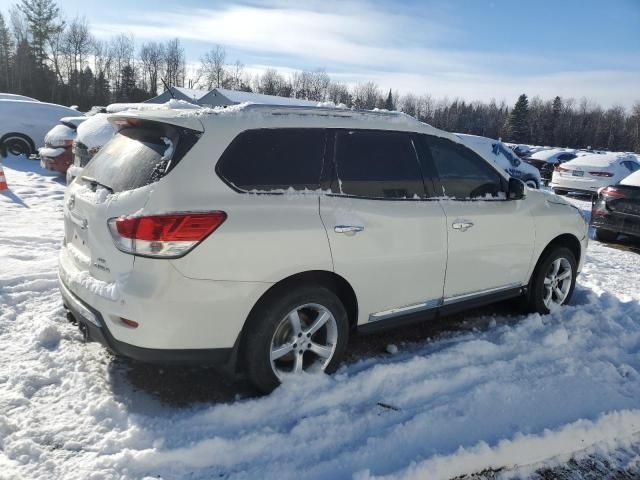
point(321, 110)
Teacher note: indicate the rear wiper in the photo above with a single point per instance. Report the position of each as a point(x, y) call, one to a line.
point(94, 183)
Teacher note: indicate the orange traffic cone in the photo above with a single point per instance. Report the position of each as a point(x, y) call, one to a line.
point(3, 181)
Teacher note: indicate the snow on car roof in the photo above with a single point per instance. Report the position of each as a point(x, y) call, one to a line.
point(13, 96)
point(95, 132)
point(170, 105)
point(632, 180)
point(598, 159)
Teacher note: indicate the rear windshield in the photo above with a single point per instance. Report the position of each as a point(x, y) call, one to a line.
point(136, 157)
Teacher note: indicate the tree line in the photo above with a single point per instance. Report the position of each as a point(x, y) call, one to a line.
point(49, 57)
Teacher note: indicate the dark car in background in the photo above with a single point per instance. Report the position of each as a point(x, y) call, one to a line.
point(616, 209)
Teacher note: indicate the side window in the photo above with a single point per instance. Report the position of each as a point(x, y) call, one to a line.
point(377, 164)
point(274, 159)
point(463, 174)
point(565, 157)
point(631, 166)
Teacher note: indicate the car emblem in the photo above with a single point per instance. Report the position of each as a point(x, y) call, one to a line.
point(72, 201)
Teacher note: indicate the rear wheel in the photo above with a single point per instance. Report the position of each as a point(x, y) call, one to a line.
point(17, 144)
point(553, 281)
point(305, 330)
point(606, 235)
point(531, 183)
point(559, 191)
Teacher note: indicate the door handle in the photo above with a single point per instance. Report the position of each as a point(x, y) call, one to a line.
point(462, 225)
point(348, 229)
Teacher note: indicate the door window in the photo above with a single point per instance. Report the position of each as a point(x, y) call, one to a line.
point(274, 159)
point(377, 164)
point(463, 174)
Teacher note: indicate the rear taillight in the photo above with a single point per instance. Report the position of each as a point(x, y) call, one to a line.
point(612, 192)
point(601, 174)
point(558, 168)
point(164, 236)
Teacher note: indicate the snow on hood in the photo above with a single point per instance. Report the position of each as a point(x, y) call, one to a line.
point(632, 180)
point(58, 135)
point(95, 131)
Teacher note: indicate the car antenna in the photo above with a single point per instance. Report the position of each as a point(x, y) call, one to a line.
point(168, 88)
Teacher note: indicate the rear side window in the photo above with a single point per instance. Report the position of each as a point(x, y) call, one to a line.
point(274, 159)
point(462, 173)
point(377, 164)
point(138, 156)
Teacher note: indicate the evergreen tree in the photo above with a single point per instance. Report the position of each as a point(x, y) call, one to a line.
point(388, 104)
point(519, 121)
point(44, 22)
point(5, 55)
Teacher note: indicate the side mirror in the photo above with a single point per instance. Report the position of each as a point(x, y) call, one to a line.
point(516, 189)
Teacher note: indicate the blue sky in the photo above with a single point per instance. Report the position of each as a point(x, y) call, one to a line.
point(472, 49)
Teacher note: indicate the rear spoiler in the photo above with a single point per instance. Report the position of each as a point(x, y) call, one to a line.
point(184, 119)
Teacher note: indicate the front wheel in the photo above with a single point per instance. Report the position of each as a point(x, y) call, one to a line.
point(553, 281)
point(17, 145)
point(531, 183)
point(305, 330)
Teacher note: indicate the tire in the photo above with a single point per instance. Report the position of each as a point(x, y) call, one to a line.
point(559, 191)
point(531, 183)
point(538, 291)
point(606, 235)
point(271, 334)
point(18, 144)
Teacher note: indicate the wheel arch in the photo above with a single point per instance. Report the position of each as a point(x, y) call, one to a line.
point(567, 240)
point(20, 135)
point(330, 280)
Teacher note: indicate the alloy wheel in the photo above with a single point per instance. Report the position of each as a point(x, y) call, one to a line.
point(305, 340)
point(557, 282)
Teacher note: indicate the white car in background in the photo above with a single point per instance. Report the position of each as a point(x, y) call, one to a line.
point(589, 173)
point(500, 154)
point(91, 135)
point(14, 96)
point(24, 124)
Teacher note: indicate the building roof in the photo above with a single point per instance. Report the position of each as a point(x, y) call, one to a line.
point(236, 96)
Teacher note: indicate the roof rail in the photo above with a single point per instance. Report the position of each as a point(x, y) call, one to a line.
point(322, 110)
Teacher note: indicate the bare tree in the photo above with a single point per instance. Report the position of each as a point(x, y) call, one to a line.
point(121, 49)
point(213, 71)
point(174, 63)
point(151, 57)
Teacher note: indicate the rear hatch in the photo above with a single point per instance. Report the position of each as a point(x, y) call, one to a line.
point(117, 182)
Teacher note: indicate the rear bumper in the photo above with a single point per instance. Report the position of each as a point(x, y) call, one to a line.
point(95, 328)
point(588, 186)
point(627, 224)
point(177, 316)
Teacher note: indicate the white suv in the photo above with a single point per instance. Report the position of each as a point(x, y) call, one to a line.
point(262, 237)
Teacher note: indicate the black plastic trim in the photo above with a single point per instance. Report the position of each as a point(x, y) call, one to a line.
point(437, 312)
point(179, 357)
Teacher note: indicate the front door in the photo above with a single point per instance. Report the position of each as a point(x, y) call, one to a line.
point(386, 237)
point(490, 238)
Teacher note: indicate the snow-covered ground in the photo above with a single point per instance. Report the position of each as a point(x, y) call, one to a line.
point(507, 392)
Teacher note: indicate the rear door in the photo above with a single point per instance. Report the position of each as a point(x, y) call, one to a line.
point(387, 237)
point(117, 182)
point(490, 238)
